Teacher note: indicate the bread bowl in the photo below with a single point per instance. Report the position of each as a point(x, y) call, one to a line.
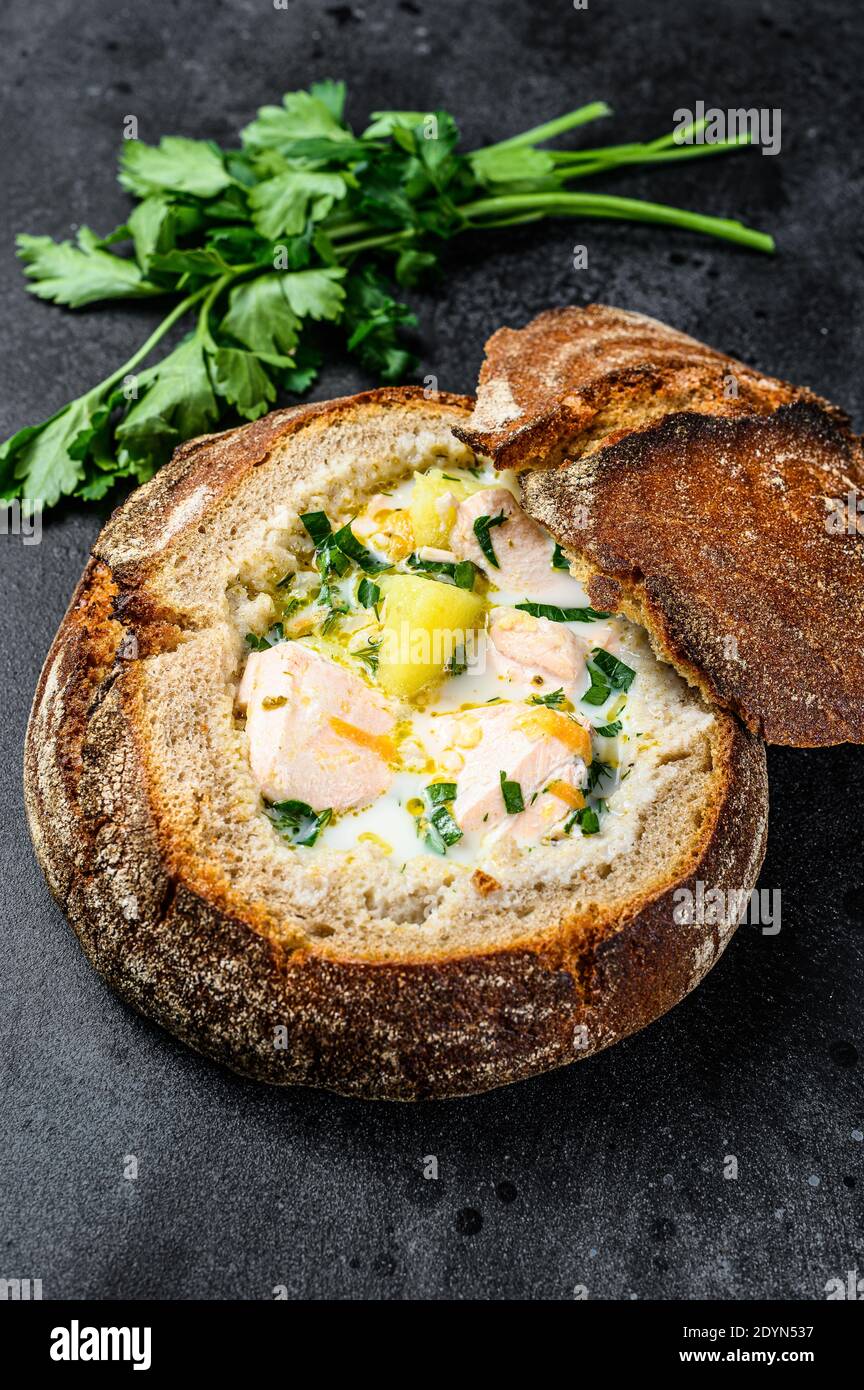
point(313, 954)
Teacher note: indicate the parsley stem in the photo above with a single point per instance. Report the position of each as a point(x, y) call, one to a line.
point(606, 205)
point(581, 116)
point(209, 293)
point(213, 292)
point(509, 209)
point(343, 229)
point(147, 347)
point(578, 164)
point(385, 239)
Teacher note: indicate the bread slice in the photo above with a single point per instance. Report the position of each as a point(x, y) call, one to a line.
point(341, 970)
point(704, 500)
point(574, 379)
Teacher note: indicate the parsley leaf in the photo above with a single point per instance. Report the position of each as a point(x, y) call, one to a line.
point(441, 829)
point(156, 224)
point(269, 639)
point(587, 818)
point(175, 165)
point(315, 294)
point(44, 461)
point(175, 401)
point(348, 543)
point(296, 822)
point(619, 676)
point(599, 690)
point(241, 379)
point(317, 112)
point(329, 559)
point(261, 318)
point(368, 593)
point(462, 573)
point(553, 700)
point(281, 205)
point(609, 730)
point(82, 274)
point(372, 320)
point(512, 794)
point(562, 615)
point(482, 526)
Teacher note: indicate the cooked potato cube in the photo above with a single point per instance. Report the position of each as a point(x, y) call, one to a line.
point(431, 517)
point(423, 624)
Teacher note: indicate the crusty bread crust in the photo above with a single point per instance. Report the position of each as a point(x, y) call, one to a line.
point(187, 954)
point(575, 378)
point(714, 535)
point(697, 497)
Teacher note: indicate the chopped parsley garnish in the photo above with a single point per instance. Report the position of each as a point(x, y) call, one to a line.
point(553, 700)
point(368, 655)
point(562, 615)
point(607, 674)
point(297, 822)
point(458, 664)
point(482, 527)
point(334, 550)
point(619, 676)
point(599, 690)
point(559, 561)
point(368, 593)
point(415, 562)
point(439, 792)
point(347, 542)
point(261, 644)
point(609, 730)
point(586, 818)
point(318, 527)
point(462, 574)
point(512, 794)
point(336, 612)
point(597, 771)
point(465, 574)
point(329, 559)
point(441, 829)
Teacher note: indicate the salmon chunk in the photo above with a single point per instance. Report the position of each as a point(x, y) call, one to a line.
point(521, 547)
point(317, 733)
point(531, 745)
point(559, 797)
point(535, 651)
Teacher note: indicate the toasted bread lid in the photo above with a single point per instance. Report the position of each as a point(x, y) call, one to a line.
point(705, 501)
point(572, 377)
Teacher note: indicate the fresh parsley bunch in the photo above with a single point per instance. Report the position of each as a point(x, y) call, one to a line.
point(305, 225)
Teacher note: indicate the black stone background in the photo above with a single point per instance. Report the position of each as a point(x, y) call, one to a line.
point(608, 1174)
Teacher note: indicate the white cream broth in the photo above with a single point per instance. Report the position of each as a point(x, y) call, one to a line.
point(440, 729)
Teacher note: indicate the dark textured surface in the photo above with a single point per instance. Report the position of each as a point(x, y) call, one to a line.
point(608, 1175)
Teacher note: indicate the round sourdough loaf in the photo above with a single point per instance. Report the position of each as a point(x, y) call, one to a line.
point(345, 970)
